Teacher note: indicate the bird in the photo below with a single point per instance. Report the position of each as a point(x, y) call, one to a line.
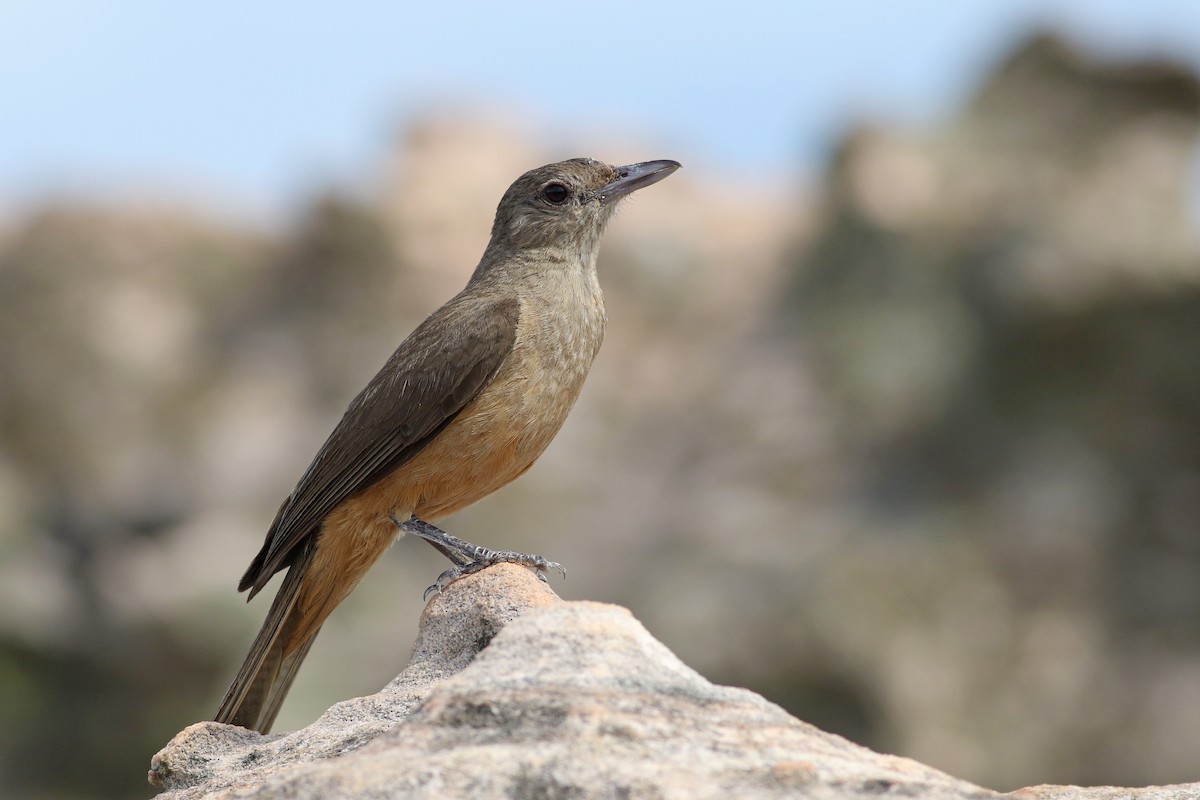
point(465, 404)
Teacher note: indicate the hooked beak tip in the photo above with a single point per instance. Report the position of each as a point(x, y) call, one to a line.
point(632, 177)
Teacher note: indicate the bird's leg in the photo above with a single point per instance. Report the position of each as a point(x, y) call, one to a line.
point(453, 548)
point(467, 557)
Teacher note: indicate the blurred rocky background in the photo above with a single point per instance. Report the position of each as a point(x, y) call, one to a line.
point(914, 452)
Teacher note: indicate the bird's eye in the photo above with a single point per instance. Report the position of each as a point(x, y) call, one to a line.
point(556, 193)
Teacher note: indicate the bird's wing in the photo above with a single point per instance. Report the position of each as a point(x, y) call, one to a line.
point(434, 373)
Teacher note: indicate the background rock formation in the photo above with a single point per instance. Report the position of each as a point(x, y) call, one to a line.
point(919, 463)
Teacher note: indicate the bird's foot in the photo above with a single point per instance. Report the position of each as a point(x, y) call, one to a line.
point(469, 558)
point(486, 558)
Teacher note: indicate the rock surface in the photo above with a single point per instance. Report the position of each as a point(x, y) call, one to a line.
point(513, 693)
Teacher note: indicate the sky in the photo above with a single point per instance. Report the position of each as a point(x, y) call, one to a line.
point(258, 102)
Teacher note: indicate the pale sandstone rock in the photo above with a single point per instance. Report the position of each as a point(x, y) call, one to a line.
point(513, 693)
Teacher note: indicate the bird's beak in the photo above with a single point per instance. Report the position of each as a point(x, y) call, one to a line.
point(632, 177)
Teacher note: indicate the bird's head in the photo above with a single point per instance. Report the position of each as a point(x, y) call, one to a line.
point(567, 205)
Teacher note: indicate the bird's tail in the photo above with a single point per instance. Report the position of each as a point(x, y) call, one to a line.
point(254, 698)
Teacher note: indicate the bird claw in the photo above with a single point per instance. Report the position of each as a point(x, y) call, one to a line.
point(469, 558)
point(486, 558)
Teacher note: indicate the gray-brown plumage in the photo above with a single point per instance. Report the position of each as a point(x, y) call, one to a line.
point(466, 404)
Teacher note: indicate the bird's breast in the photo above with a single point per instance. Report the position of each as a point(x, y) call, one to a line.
point(503, 430)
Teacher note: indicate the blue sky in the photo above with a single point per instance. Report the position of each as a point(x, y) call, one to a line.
point(258, 101)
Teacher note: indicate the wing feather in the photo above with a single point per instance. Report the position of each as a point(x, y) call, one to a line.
point(431, 377)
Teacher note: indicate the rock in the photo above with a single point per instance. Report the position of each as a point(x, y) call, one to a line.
point(513, 693)
point(1184, 791)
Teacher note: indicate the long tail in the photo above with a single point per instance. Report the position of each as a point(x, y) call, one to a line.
point(254, 698)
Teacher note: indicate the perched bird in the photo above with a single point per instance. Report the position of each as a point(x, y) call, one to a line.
point(466, 404)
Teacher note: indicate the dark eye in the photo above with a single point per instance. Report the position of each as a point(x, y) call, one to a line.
point(556, 193)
